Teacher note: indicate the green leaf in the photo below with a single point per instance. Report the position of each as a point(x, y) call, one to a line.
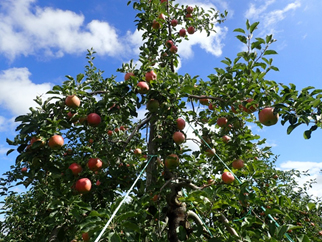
point(291, 128)
point(126, 215)
point(242, 38)
point(247, 24)
point(253, 27)
point(239, 30)
point(270, 52)
point(10, 142)
point(9, 151)
point(131, 226)
point(304, 238)
point(21, 118)
point(115, 238)
point(80, 77)
point(307, 134)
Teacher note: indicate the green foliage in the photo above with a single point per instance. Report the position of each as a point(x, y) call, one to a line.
point(261, 205)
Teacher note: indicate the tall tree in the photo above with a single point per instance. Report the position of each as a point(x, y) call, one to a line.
point(81, 149)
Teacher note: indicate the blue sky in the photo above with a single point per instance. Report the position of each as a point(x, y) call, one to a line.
point(42, 41)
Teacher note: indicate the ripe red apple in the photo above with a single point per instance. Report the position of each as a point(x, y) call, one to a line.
point(238, 164)
point(189, 9)
point(83, 185)
point(94, 164)
point(267, 117)
point(164, 1)
point(24, 169)
point(188, 15)
point(226, 139)
point(110, 133)
point(137, 151)
point(191, 30)
point(181, 123)
point(227, 177)
point(204, 101)
point(93, 119)
point(128, 75)
point(153, 105)
point(182, 32)
point(85, 237)
point(55, 142)
point(161, 16)
point(155, 24)
point(210, 106)
point(143, 87)
point(149, 76)
point(222, 122)
point(171, 161)
point(117, 130)
point(155, 198)
point(36, 139)
point(210, 152)
point(173, 49)
point(178, 137)
point(72, 101)
point(174, 22)
point(169, 43)
point(320, 233)
point(75, 168)
point(98, 183)
point(250, 109)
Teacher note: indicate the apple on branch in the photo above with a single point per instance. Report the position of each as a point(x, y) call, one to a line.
point(56, 142)
point(178, 137)
point(267, 117)
point(72, 101)
point(143, 87)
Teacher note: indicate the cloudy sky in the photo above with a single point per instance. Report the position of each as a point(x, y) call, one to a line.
point(42, 41)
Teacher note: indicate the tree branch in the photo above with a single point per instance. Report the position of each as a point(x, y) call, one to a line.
point(230, 229)
point(208, 97)
point(191, 214)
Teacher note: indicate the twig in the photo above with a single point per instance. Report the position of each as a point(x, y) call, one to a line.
point(208, 97)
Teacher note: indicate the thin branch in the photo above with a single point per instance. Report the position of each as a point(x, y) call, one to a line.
point(208, 97)
point(145, 121)
point(191, 214)
point(96, 92)
point(230, 229)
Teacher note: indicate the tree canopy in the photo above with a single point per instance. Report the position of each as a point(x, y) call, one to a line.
point(86, 145)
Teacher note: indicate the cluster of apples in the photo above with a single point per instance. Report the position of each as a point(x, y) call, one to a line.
point(143, 86)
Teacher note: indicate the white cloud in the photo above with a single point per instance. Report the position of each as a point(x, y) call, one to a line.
point(18, 91)
point(270, 19)
point(26, 29)
point(314, 171)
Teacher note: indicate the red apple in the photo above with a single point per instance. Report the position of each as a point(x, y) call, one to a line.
point(155, 24)
point(24, 169)
point(93, 119)
point(188, 15)
point(72, 101)
point(83, 185)
point(169, 43)
point(143, 87)
point(181, 123)
point(75, 168)
point(110, 133)
point(122, 128)
point(173, 49)
point(153, 105)
point(128, 75)
point(238, 164)
point(117, 130)
point(204, 101)
point(155, 198)
point(163, 1)
point(174, 22)
point(222, 122)
point(85, 237)
point(250, 109)
point(226, 139)
point(182, 32)
point(149, 76)
point(189, 9)
point(178, 137)
point(210, 106)
point(267, 116)
point(210, 152)
point(94, 164)
point(36, 139)
point(98, 183)
point(56, 142)
point(191, 30)
point(171, 161)
point(227, 177)
point(137, 151)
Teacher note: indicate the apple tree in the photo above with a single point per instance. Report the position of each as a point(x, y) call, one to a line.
point(84, 147)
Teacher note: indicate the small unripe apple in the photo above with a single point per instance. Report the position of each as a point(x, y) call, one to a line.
point(171, 161)
point(153, 105)
point(174, 22)
point(182, 32)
